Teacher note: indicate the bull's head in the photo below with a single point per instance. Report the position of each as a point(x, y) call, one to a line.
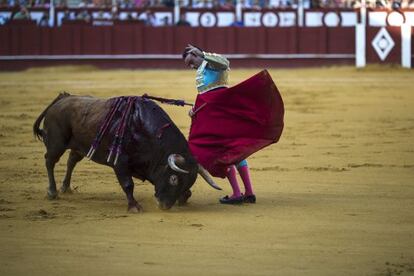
point(176, 179)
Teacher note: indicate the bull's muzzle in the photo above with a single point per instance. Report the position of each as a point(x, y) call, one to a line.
point(165, 205)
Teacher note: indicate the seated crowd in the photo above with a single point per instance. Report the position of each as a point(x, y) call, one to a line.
point(222, 4)
point(105, 14)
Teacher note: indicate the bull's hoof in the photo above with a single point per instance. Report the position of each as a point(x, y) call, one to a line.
point(52, 195)
point(135, 209)
point(183, 199)
point(66, 190)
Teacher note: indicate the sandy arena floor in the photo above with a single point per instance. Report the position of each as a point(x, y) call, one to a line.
point(335, 195)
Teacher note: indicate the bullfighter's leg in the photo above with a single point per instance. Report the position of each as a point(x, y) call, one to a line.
point(73, 159)
point(54, 152)
point(127, 184)
point(236, 197)
point(243, 169)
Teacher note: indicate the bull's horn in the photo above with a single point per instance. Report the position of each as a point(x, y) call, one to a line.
point(203, 172)
point(173, 159)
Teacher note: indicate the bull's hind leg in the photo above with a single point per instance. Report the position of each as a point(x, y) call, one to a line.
point(127, 184)
point(51, 159)
point(73, 159)
point(54, 152)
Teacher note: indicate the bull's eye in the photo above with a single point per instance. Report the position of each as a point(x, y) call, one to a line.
point(173, 180)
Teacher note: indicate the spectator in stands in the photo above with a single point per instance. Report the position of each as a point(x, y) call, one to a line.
point(22, 14)
point(225, 4)
point(283, 3)
point(66, 16)
point(44, 21)
point(253, 4)
point(12, 3)
point(40, 3)
point(202, 3)
point(85, 3)
point(84, 15)
point(3, 20)
point(237, 24)
point(100, 15)
point(114, 13)
point(168, 3)
point(132, 16)
point(126, 4)
point(183, 21)
point(396, 5)
point(165, 21)
point(141, 3)
point(148, 18)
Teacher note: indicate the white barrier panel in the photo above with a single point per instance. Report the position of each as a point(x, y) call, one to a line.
point(409, 18)
point(349, 19)
point(360, 60)
point(377, 19)
point(406, 46)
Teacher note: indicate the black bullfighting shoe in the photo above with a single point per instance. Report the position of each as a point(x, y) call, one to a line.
point(231, 200)
point(249, 199)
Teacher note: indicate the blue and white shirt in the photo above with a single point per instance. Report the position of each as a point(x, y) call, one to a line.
point(212, 73)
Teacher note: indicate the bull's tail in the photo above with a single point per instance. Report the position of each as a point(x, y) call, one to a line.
point(38, 133)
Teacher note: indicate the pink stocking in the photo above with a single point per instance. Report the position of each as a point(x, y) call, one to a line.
point(245, 176)
point(231, 176)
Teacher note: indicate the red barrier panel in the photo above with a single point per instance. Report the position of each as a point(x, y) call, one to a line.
point(78, 39)
point(81, 38)
point(282, 40)
point(29, 43)
point(158, 40)
point(5, 37)
point(250, 40)
point(341, 40)
point(216, 39)
point(61, 41)
point(394, 56)
point(95, 40)
point(123, 39)
point(45, 41)
point(311, 40)
point(182, 37)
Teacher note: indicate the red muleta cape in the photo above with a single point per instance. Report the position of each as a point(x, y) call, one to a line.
point(232, 123)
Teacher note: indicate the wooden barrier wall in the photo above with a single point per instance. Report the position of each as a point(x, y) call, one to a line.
point(80, 39)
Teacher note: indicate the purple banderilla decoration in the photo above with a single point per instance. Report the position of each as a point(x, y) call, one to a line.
point(119, 135)
point(104, 127)
point(116, 147)
point(116, 105)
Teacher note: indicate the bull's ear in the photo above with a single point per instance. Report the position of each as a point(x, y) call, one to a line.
point(174, 160)
point(204, 173)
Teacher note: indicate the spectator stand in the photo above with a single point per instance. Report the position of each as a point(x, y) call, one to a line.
point(107, 16)
point(36, 13)
point(223, 13)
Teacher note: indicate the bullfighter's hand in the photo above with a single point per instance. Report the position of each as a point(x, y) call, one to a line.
point(194, 50)
point(191, 113)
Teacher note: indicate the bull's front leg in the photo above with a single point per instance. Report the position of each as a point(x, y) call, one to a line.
point(127, 184)
point(183, 198)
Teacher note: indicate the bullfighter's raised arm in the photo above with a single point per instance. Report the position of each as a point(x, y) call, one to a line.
point(216, 61)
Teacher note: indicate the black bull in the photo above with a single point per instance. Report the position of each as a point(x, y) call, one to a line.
point(154, 149)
